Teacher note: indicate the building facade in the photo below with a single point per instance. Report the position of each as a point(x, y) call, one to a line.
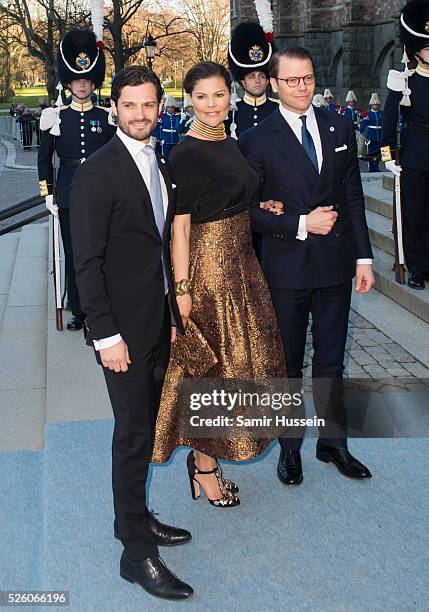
point(354, 42)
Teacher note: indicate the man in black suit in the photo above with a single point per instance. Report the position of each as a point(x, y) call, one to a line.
point(121, 213)
point(306, 159)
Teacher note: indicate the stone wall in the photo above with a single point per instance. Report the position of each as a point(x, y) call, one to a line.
point(354, 43)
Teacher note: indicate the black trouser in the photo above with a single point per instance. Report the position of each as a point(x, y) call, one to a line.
point(135, 397)
point(329, 307)
point(72, 292)
point(415, 207)
point(27, 134)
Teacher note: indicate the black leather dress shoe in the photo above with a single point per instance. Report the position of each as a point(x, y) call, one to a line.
point(164, 535)
point(289, 468)
point(75, 323)
point(345, 462)
point(416, 280)
point(154, 577)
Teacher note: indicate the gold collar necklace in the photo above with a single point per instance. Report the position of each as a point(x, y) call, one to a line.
point(207, 131)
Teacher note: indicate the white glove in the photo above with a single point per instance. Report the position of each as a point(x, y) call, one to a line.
point(49, 203)
point(392, 167)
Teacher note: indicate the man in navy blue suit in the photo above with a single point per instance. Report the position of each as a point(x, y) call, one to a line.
point(306, 159)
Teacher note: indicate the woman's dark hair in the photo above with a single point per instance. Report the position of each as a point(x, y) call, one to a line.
point(291, 53)
point(133, 76)
point(205, 70)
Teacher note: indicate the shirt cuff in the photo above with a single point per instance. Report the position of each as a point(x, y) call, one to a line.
point(364, 261)
point(105, 343)
point(302, 232)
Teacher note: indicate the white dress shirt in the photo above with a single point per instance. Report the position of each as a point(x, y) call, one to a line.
point(135, 148)
point(295, 123)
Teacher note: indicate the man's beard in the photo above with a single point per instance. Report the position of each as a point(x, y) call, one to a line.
point(137, 134)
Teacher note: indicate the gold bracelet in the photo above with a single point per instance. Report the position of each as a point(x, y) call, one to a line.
point(182, 287)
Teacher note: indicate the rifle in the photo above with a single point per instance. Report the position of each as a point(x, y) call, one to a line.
point(397, 212)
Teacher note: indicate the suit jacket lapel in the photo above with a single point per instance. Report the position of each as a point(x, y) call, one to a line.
point(285, 140)
point(326, 140)
point(134, 175)
point(131, 169)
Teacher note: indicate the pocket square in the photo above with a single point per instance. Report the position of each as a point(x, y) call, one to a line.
point(343, 148)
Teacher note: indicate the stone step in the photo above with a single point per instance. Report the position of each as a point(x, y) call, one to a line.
point(23, 345)
point(69, 362)
point(8, 248)
point(388, 181)
point(380, 232)
point(414, 301)
point(378, 199)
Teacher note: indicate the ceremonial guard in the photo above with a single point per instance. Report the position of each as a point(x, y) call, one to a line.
point(319, 101)
point(167, 130)
point(186, 117)
point(250, 50)
point(329, 98)
point(350, 110)
point(248, 57)
point(409, 95)
point(372, 123)
point(72, 132)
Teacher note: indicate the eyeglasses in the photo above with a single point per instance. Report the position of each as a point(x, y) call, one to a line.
point(308, 79)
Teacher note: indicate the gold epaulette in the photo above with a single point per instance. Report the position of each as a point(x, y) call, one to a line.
point(43, 188)
point(386, 153)
point(102, 108)
point(274, 100)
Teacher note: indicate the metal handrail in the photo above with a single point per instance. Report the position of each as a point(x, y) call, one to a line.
point(21, 207)
point(15, 226)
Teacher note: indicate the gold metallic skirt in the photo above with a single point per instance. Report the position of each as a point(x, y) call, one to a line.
point(232, 334)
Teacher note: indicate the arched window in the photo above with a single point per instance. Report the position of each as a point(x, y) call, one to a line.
point(384, 63)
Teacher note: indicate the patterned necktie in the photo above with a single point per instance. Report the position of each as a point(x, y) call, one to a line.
point(308, 144)
point(156, 199)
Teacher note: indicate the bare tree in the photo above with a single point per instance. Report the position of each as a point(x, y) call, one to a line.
point(40, 26)
point(208, 23)
point(7, 63)
point(128, 24)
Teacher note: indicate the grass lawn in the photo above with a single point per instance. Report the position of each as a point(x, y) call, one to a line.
point(30, 96)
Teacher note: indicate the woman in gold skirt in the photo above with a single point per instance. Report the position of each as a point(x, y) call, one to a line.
point(224, 301)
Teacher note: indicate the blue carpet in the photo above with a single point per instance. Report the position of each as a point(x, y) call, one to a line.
point(331, 544)
point(21, 520)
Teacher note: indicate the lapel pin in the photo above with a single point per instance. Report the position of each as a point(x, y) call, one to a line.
point(332, 129)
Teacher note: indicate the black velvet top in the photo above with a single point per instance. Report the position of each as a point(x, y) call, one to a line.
point(213, 179)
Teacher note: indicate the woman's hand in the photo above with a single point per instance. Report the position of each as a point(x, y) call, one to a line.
point(273, 206)
point(184, 303)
